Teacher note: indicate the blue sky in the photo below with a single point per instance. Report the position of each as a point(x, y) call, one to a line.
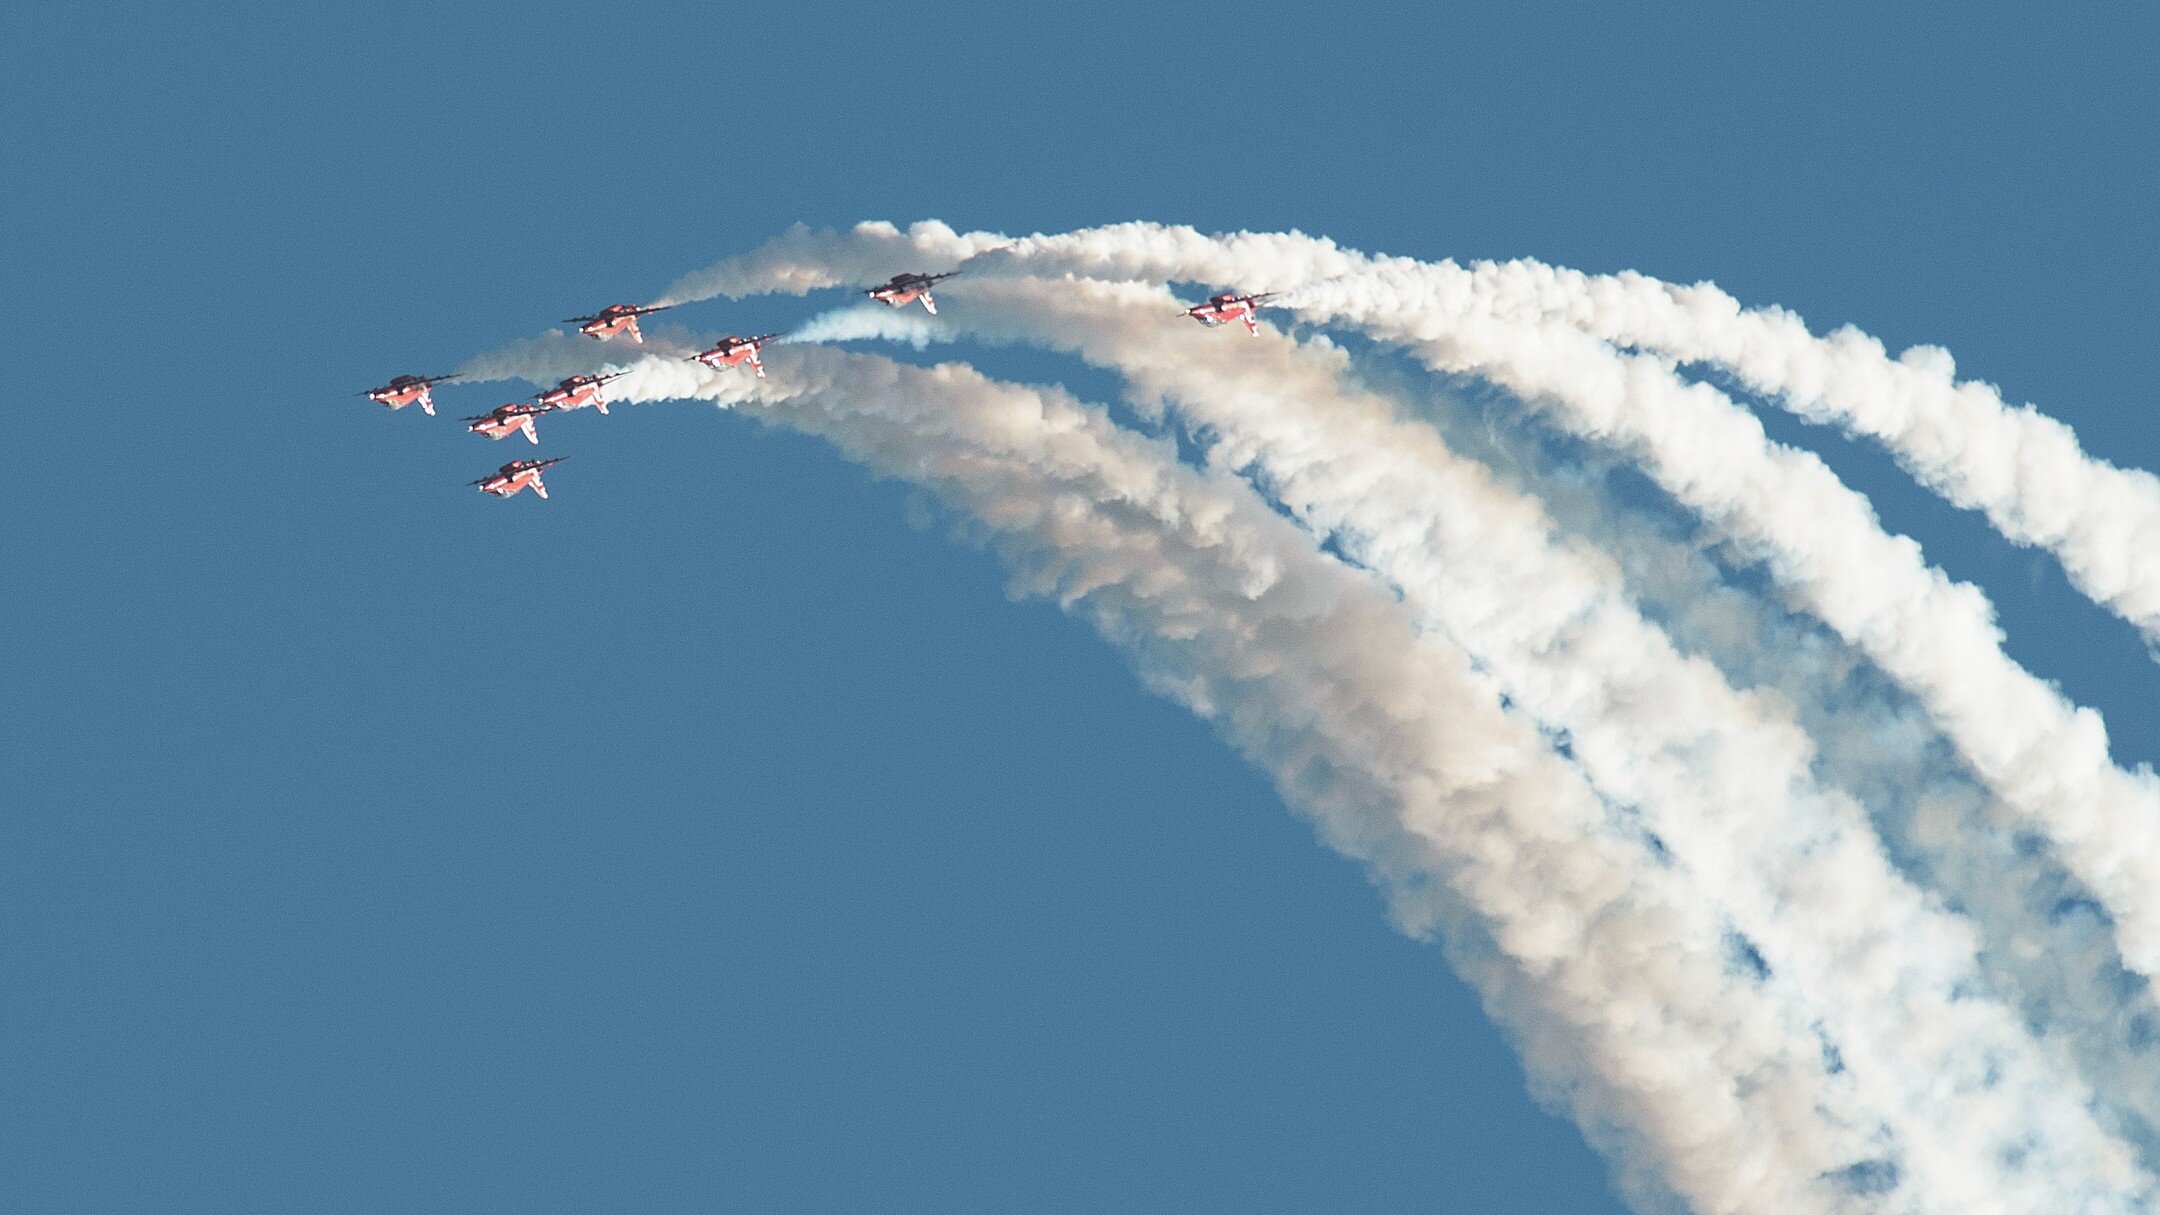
point(708, 837)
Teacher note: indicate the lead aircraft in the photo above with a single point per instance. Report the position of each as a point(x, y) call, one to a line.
point(408, 390)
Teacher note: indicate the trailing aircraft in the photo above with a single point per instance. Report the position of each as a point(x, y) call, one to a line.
point(506, 420)
point(1230, 306)
point(905, 289)
point(579, 391)
point(735, 351)
point(516, 475)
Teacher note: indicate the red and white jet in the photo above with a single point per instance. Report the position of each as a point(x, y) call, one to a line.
point(578, 391)
point(737, 352)
point(516, 475)
point(1230, 306)
point(506, 420)
point(614, 321)
point(905, 289)
point(408, 390)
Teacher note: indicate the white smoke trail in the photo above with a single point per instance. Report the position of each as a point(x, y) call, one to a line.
point(2048, 759)
point(1701, 1079)
point(2049, 956)
point(2025, 1112)
point(2024, 470)
point(1800, 871)
point(2060, 974)
point(871, 322)
point(2044, 759)
point(801, 260)
point(1289, 261)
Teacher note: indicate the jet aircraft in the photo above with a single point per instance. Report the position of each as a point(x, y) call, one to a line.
point(1230, 306)
point(506, 420)
point(578, 391)
point(516, 475)
point(614, 321)
point(408, 390)
point(905, 289)
point(735, 351)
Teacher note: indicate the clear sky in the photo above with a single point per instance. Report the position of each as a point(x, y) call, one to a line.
point(708, 837)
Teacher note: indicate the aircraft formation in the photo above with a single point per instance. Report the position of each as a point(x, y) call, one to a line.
point(621, 321)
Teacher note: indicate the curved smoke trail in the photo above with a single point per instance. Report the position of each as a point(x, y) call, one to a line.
point(2024, 470)
point(1701, 1078)
point(1841, 1041)
point(2047, 758)
point(1800, 873)
point(2049, 970)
